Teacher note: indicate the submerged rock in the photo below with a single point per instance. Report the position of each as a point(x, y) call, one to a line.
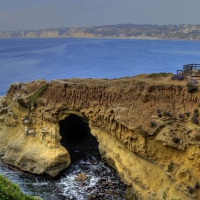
point(81, 177)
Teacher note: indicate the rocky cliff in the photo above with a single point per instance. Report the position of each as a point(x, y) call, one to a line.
point(147, 129)
point(134, 31)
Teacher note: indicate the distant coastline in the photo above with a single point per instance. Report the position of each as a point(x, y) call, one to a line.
point(119, 31)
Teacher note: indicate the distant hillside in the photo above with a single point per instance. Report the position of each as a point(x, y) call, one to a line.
point(186, 32)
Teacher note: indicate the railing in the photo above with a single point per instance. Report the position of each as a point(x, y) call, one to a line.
point(190, 70)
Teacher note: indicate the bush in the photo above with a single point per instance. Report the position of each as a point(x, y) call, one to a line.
point(11, 191)
point(33, 98)
point(192, 86)
point(178, 77)
point(158, 75)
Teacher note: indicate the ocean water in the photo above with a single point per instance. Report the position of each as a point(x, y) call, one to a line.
point(24, 60)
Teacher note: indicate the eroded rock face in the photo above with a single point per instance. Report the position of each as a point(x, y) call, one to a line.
point(147, 130)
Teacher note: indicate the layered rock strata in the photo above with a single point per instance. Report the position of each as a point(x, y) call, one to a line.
point(148, 130)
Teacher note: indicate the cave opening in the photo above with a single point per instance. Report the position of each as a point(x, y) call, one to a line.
point(76, 136)
point(86, 161)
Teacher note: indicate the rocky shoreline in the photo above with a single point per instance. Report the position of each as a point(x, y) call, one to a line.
point(123, 31)
point(147, 129)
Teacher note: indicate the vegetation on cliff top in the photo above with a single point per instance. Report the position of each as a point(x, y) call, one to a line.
point(192, 86)
point(11, 191)
point(33, 98)
point(158, 75)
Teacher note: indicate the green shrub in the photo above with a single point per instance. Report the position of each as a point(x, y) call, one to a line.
point(158, 75)
point(11, 191)
point(34, 97)
point(192, 86)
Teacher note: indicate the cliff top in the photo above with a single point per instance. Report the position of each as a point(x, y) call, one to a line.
point(151, 79)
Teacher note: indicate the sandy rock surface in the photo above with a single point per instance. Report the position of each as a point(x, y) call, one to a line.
point(147, 129)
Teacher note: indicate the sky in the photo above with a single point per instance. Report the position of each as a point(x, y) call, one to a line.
point(41, 14)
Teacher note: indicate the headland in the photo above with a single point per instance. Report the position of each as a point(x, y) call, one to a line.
point(122, 31)
point(147, 128)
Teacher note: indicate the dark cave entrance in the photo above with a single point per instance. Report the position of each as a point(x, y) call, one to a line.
point(76, 136)
point(85, 159)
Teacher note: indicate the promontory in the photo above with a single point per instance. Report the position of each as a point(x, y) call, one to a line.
point(147, 128)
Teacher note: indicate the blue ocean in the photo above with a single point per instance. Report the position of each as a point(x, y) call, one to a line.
point(24, 60)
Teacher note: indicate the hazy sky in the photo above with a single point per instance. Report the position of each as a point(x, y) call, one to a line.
point(39, 14)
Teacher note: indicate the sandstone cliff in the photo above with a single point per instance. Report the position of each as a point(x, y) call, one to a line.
point(147, 130)
point(134, 31)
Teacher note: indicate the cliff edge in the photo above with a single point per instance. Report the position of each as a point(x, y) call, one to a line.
point(147, 129)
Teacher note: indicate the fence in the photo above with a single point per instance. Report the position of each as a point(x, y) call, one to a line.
point(190, 70)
